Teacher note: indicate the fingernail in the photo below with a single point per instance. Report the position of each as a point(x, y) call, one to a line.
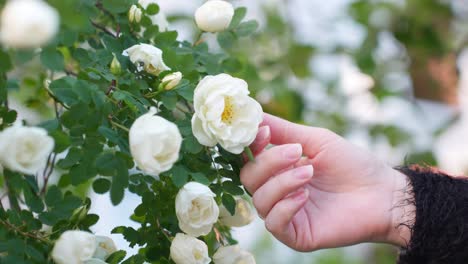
point(304, 172)
point(263, 133)
point(293, 151)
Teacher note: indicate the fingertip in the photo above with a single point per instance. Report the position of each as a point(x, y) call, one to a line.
point(262, 140)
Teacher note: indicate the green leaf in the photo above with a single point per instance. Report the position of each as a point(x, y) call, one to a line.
point(239, 14)
point(53, 196)
point(52, 59)
point(5, 62)
point(35, 254)
point(62, 141)
point(226, 39)
point(119, 183)
point(230, 203)
point(116, 257)
point(106, 164)
point(152, 9)
point(169, 99)
point(74, 155)
point(50, 125)
point(179, 176)
point(62, 89)
point(33, 201)
point(191, 145)
point(246, 28)
point(101, 185)
point(200, 178)
point(120, 6)
point(232, 188)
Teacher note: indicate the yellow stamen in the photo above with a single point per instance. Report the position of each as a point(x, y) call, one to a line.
point(228, 113)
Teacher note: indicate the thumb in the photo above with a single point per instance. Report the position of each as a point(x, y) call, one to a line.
point(312, 139)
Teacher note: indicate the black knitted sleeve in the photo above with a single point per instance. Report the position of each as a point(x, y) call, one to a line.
point(439, 233)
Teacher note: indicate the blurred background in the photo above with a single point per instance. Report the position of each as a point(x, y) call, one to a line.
point(389, 75)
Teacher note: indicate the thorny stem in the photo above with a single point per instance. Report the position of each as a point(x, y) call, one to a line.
point(25, 234)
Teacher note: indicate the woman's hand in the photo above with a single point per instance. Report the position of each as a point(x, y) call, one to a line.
point(316, 190)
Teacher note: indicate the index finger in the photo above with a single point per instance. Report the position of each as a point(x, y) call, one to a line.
point(285, 132)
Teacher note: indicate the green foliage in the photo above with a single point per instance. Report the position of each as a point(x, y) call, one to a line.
point(90, 110)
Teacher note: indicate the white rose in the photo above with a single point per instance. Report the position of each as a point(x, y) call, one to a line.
point(147, 57)
point(25, 149)
point(243, 216)
point(28, 23)
point(172, 80)
point(134, 14)
point(189, 250)
point(196, 209)
point(159, 19)
point(154, 143)
point(214, 16)
point(233, 255)
point(74, 247)
point(105, 247)
point(225, 114)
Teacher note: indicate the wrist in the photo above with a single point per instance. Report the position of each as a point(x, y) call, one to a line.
point(402, 211)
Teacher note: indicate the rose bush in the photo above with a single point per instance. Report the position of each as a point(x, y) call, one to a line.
point(125, 105)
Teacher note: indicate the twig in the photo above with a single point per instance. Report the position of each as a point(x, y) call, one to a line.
point(118, 125)
point(111, 87)
point(25, 234)
point(49, 173)
point(103, 28)
point(165, 232)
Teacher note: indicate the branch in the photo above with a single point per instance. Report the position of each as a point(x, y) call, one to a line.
point(25, 234)
point(103, 29)
point(46, 174)
point(111, 87)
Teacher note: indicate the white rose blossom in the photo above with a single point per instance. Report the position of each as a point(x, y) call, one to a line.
point(28, 23)
point(25, 149)
point(225, 113)
point(243, 216)
point(233, 255)
point(80, 247)
point(170, 81)
point(105, 247)
point(154, 143)
point(147, 57)
point(189, 250)
point(134, 14)
point(196, 209)
point(214, 16)
point(74, 247)
point(159, 19)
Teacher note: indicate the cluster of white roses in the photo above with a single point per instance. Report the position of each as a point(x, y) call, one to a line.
point(80, 247)
point(197, 212)
point(225, 114)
